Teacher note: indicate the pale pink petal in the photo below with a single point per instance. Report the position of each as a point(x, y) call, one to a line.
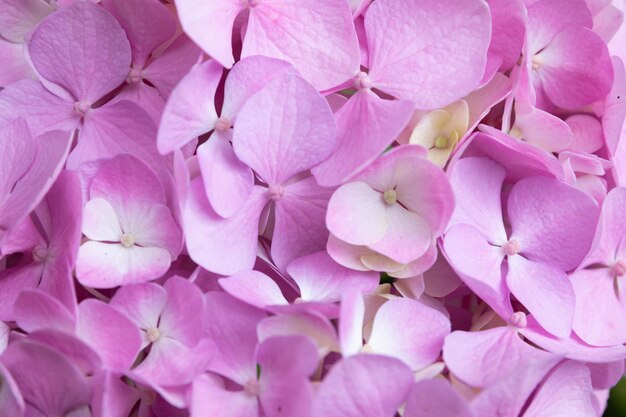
point(111, 396)
point(35, 310)
point(415, 55)
point(436, 398)
point(10, 396)
point(321, 279)
point(545, 291)
point(609, 239)
point(90, 55)
point(441, 280)
point(575, 69)
point(296, 135)
point(543, 130)
point(227, 181)
point(605, 375)
point(108, 265)
point(300, 227)
point(366, 126)
point(110, 333)
point(310, 324)
point(14, 65)
point(477, 185)
point(190, 109)
point(17, 154)
point(147, 23)
point(559, 207)
point(326, 53)
point(254, 288)
point(353, 388)
point(599, 309)
point(145, 96)
point(479, 265)
point(615, 107)
point(586, 132)
point(100, 221)
point(566, 392)
point(346, 254)
point(153, 227)
point(223, 246)
point(17, 17)
point(141, 303)
point(351, 317)
point(210, 397)
point(482, 100)
point(231, 325)
point(417, 345)
point(214, 39)
point(508, 29)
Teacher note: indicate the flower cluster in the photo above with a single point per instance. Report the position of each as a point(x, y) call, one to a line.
point(297, 208)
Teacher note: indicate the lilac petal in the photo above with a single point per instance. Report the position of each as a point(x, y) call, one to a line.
point(296, 135)
point(145, 96)
point(479, 265)
point(477, 185)
point(615, 109)
point(35, 310)
point(410, 52)
point(610, 230)
point(15, 67)
point(321, 279)
point(605, 375)
point(180, 318)
point(141, 303)
point(12, 282)
point(254, 288)
point(587, 133)
point(17, 17)
point(231, 325)
point(223, 246)
point(110, 333)
point(82, 355)
point(228, 181)
point(112, 397)
point(10, 397)
point(560, 206)
point(418, 345)
point(275, 30)
point(366, 126)
point(545, 291)
point(567, 391)
point(436, 398)
point(190, 109)
point(352, 388)
point(208, 396)
point(300, 227)
point(147, 23)
point(91, 55)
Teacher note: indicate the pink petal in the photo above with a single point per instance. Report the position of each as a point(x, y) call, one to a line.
point(351, 317)
point(35, 310)
point(477, 185)
point(17, 17)
point(223, 246)
point(357, 214)
point(141, 303)
point(300, 225)
point(100, 221)
point(295, 134)
point(147, 23)
point(543, 130)
point(346, 254)
point(556, 242)
point(210, 397)
point(566, 392)
point(231, 325)
point(153, 227)
point(479, 265)
point(227, 181)
point(190, 109)
point(508, 29)
point(545, 291)
point(410, 51)
point(579, 57)
point(108, 265)
point(114, 336)
point(310, 324)
point(10, 397)
point(605, 375)
point(254, 288)
point(15, 67)
point(12, 282)
point(587, 133)
point(610, 230)
point(112, 397)
point(418, 345)
point(352, 388)
point(145, 96)
point(180, 318)
point(615, 107)
point(321, 279)
point(275, 30)
point(91, 55)
point(547, 18)
point(436, 398)
point(366, 126)
point(215, 40)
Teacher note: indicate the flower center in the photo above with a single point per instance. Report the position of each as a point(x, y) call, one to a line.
point(81, 108)
point(619, 269)
point(223, 124)
point(512, 247)
point(276, 192)
point(40, 254)
point(134, 76)
point(154, 334)
point(127, 240)
point(390, 197)
point(441, 142)
point(536, 63)
point(362, 81)
point(252, 388)
point(518, 319)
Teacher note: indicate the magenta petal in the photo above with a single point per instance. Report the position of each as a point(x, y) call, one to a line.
point(228, 181)
point(12, 282)
point(190, 109)
point(417, 345)
point(91, 55)
point(321, 279)
point(296, 135)
point(411, 53)
point(254, 288)
point(366, 126)
point(436, 398)
point(115, 337)
point(565, 235)
point(566, 392)
point(545, 291)
point(224, 246)
point(353, 388)
point(275, 30)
